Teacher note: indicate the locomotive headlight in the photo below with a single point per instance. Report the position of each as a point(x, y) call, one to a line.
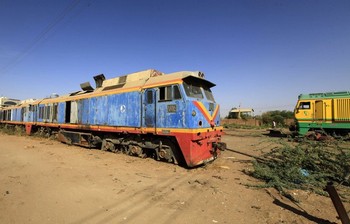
point(194, 113)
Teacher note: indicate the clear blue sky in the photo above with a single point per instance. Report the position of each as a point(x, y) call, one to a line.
point(261, 54)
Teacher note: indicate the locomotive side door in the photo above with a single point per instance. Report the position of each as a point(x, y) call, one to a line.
point(149, 109)
point(319, 111)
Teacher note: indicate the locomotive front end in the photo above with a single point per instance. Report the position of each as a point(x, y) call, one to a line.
point(201, 142)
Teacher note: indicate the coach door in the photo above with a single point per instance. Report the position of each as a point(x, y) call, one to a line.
point(149, 109)
point(319, 110)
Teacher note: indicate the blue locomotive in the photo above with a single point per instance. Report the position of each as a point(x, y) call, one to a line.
point(171, 117)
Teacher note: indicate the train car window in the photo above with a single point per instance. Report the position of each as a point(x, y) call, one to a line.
point(177, 94)
point(193, 90)
point(304, 105)
point(165, 93)
point(149, 97)
point(168, 93)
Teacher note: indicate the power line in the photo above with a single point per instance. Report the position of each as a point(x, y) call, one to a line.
point(17, 59)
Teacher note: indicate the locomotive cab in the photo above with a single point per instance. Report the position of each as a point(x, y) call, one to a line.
point(184, 108)
point(302, 113)
point(203, 111)
point(202, 120)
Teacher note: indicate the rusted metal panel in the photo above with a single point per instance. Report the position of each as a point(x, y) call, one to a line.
point(75, 138)
point(28, 129)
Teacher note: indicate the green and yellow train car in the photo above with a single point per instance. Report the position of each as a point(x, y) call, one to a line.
point(329, 112)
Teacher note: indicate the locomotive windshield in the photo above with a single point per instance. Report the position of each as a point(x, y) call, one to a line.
point(208, 94)
point(193, 88)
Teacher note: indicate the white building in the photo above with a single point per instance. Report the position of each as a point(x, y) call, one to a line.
point(5, 102)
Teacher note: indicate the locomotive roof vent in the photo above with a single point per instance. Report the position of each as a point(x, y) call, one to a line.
point(86, 86)
point(201, 75)
point(99, 80)
point(54, 95)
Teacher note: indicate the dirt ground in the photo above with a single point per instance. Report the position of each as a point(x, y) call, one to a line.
point(45, 181)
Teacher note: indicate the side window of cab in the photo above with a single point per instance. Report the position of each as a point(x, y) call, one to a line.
point(304, 106)
point(168, 93)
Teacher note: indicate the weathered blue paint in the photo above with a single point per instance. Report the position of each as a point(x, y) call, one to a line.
point(16, 114)
point(28, 113)
point(149, 108)
point(129, 109)
point(170, 114)
point(124, 109)
point(101, 109)
point(92, 111)
point(84, 108)
point(61, 112)
point(113, 110)
point(199, 117)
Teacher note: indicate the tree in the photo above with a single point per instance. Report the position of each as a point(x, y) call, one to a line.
point(278, 116)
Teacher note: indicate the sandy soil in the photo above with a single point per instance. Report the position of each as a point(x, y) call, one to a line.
point(44, 181)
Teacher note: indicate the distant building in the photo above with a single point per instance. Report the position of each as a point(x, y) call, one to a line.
point(27, 101)
point(5, 102)
point(239, 113)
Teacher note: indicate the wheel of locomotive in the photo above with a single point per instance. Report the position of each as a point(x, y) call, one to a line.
point(125, 149)
point(107, 146)
point(167, 151)
point(311, 135)
point(48, 132)
point(137, 151)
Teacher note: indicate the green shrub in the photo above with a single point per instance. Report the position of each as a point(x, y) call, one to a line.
point(308, 165)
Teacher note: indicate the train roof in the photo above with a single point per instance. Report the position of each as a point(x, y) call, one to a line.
point(138, 80)
point(327, 95)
